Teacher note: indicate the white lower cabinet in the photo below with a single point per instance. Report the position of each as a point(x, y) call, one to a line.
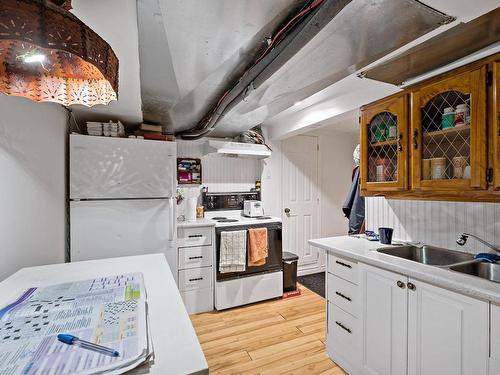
point(448, 333)
point(195, 268)
point(343, 337)
point(384, 321)
point(397, 325)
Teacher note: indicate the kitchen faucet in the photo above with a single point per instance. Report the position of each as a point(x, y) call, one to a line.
point(464, 236)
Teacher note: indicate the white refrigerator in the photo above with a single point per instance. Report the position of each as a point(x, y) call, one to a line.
point(122, 198)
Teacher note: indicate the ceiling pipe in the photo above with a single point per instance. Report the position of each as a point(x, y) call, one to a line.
point(292, 43)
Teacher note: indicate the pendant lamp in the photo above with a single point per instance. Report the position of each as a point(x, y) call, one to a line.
point(49, 55)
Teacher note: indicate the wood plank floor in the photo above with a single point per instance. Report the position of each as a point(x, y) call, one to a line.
point(283, 336)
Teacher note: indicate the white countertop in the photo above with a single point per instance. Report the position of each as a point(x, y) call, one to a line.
point(176, 347)
point(362, 250)
point(196, 223)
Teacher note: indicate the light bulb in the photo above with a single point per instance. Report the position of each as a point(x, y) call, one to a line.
point(35, 58)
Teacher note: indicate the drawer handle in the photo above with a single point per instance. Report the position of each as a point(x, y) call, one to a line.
point(197, 279)
point(343, 296)
point(343, 327)
point(198, 257)
point(343, 264)
point(195, 236)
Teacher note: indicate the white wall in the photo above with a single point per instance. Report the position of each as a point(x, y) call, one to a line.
point(32, 184)
point(271, 179)
point(335, 166)
point(436, 223)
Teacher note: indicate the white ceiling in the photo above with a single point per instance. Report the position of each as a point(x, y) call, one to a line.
point(116, 22)
point(344, 123)
point(323, 107)
point(337, 105)
point(192, 50)
point(184, 54)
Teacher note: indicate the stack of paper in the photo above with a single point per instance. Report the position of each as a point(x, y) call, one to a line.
point(94, 128)
point(109, 311)
point(113, 129)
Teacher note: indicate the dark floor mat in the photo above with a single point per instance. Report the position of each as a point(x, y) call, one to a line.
point(315, 282)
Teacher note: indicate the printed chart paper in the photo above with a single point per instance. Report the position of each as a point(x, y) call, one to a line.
point(110, 311)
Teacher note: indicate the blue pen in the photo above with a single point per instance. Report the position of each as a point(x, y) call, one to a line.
point(73, 340)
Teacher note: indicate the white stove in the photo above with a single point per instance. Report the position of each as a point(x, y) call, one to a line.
point(254, 283)
point(228, 218)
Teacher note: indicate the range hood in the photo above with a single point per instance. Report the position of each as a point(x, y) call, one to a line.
point(235, 149)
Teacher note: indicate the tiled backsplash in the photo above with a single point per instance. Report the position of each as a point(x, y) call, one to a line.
point(436, 223)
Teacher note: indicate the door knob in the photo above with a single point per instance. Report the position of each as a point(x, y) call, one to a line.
point(401, 284)
point(411, 286)
point(287, 211)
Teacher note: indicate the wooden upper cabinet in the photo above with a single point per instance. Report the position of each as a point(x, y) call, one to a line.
point(384, 148)
point(448, 133)
point(495, 124)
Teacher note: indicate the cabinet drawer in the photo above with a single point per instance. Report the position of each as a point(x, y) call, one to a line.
point(344, 294)
point(343, 333)
point(195, 257)
point(198, 301)
point(195, 278)
point(187, 237)
point(495, 332)
point(343, 268)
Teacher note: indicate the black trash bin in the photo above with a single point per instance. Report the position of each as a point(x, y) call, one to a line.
point(289, 271)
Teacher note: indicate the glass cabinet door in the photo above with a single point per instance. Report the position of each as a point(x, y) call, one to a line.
point(384, 145)
point(449, 133)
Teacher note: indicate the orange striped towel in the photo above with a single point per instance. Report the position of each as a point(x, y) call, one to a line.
point(257, 246)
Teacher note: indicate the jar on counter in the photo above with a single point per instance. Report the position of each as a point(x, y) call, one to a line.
point(200, 212)
point(448, 119)
point(462, 115)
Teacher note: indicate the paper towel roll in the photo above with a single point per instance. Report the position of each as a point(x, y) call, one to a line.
point(191, 209)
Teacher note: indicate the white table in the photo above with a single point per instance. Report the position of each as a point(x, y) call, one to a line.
point(176, 347)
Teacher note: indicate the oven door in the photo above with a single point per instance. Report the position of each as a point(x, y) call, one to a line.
point(274, 257)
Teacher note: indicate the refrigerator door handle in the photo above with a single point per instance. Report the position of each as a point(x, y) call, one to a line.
point(171, 227)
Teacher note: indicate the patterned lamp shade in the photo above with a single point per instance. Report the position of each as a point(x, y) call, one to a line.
point(47, 54)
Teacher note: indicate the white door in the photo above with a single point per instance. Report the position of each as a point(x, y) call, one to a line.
point(447, 332)
point(300, 199)
point(384, 321)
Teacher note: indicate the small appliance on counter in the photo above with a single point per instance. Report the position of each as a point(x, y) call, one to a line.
point(253, 208)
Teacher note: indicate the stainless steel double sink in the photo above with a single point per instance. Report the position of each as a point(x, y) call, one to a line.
point(454, 260)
